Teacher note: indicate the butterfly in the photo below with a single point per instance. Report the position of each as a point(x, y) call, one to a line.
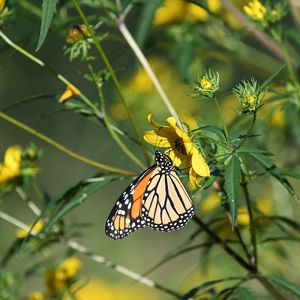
point(156, 199)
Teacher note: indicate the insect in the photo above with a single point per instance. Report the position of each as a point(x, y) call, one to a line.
point(156, 199)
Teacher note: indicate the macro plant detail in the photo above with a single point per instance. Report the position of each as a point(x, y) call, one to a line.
point(178, 116)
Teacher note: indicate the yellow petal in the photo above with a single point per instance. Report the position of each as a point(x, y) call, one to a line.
point(2, 4)
point(153, 123)
point(175, 158)
point(199, 164)
point(153, 138)
point(12, 158)
point(70, 91)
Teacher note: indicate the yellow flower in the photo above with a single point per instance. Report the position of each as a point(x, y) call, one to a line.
point(77, 33)
point(70, 91)
point(2, 4)
point(210, 203)
point(61, 277)
point(265, 205)
point(255, 10)
point(23, 233)
point(35, 296)
point(195, 13)
point(278, 118)
point(214, 5)
point(243, 218)
point(180, 146)
point(68, 268)
point(171, 11)
point(11, 166)
point(205, 83)
point(141, 81)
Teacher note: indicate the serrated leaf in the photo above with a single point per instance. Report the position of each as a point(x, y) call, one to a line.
point(206, 285)
point(232, 176)
point(74, 197)
point(286, 285)
point(48, 11)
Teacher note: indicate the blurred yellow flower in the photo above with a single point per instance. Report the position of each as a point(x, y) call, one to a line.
point(181, 148)
point(68, 268)
point(35, 296)
point(2, 4)
point(141, 82)
point(210, 203)
point(214, 5)
point(255, 10)
point(278, 118)
point(171, 11)
point(70, 91)
point(195, 13)
point(23, 233)
point(265, 205)
point(61, 277)
point(77, 33)
point(243, 218)
point(11, 166)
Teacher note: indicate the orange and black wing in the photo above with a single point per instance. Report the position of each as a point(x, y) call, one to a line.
point(126, 215)
point(166, 205)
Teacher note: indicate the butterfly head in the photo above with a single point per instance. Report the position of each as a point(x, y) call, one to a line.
point(164, 161)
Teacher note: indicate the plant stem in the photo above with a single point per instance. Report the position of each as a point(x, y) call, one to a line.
point(4, 216)
point(223, 244)
point(122, 146)
point(252, 222)
point(29, 203)
point(242, 242)
point(121, 269)
point(270, 288)
point(247, 134)
point(222, 118)
point(63, 148)
point(42, 64)
point(110, 70)
point(144, 62)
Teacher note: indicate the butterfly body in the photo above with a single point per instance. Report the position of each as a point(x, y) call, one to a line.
point(156, 199)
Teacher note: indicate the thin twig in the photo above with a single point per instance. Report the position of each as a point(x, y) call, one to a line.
point(29, 202)
point(121, 269)
point(144, 62)
point(62, 148)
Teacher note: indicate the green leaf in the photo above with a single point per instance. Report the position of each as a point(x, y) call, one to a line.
point(73, 197)
point(48, 11)
point(270, 78)
point(277, 173)
point(245, 294)
point(249, 150)
point(291, 174)
point(232, 185)
point(286, 285)
point(206, 285)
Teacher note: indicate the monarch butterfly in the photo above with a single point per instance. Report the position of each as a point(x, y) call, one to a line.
point(156, 199)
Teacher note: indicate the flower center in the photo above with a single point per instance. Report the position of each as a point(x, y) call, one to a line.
point(179, 146)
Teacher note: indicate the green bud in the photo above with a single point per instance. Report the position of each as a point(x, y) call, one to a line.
point(208, 84)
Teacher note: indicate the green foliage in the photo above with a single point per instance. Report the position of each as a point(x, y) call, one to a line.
point(48, 11)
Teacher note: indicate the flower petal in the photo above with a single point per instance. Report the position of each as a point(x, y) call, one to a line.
point(199, 164)
point(153, 138)
point(175, 158)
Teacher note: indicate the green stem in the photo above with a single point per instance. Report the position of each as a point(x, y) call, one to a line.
point(42, 64)
point(110, 70)
point(247, 134)
point(107, 123)
point(4, 216)
point(144, 62)
point(62, 148)
point(29, 202)
point(221, 117)
point(252, 222)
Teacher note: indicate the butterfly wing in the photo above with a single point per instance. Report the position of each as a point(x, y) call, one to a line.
point(126, 215)
point(166, 205)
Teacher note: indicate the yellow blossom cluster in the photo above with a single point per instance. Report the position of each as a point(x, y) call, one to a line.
point(58, 279)
point(23, 233)
point(11, 166)
point(180, 148)
point(177, 10)
point(255, 10)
